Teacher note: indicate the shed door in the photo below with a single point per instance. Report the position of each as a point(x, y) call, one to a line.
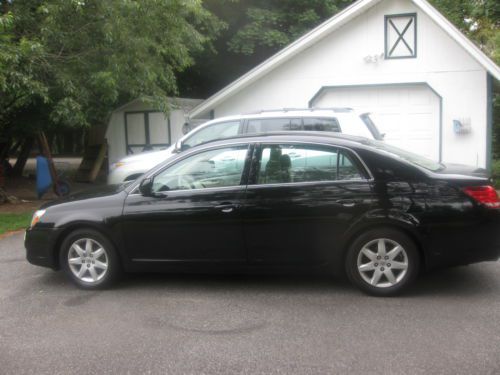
point(146, 131)
point(409, 115)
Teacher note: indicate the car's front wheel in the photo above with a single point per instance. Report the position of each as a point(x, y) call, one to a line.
point(89, 259)
point(382, 262)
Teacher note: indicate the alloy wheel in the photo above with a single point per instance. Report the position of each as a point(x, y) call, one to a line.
point(382, 263)
point(88, 260)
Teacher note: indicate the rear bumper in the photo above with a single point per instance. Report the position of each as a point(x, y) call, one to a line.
point(40, 247)
point(467, 244)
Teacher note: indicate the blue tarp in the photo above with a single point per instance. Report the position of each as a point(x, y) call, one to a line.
point(43, 177)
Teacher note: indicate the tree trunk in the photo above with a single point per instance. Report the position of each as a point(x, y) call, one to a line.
point(23, 157)
point(5, 7)
point(3, 196)
point(4, 149)
point(69, 143)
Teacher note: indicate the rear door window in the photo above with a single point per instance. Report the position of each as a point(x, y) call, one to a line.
point(282, 163)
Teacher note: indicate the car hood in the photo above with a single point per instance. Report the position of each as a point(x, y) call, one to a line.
point(93, 192)
point(149, 156)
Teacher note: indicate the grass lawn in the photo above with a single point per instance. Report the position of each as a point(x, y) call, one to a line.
point(14, 221)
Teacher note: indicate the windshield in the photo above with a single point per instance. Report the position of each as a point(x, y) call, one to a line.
point(408, 156)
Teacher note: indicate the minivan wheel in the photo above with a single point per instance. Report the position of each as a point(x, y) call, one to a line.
point(382, 262)
point(89, 259)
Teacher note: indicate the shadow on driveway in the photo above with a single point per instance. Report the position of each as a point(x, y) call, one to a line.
point(465, 281)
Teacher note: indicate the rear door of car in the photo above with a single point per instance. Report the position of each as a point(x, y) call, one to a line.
point(300, 200)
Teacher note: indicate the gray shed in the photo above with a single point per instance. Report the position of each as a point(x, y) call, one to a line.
point(137, 127)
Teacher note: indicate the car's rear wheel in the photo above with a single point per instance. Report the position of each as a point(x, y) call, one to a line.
point(382, 262)
point(89, 259)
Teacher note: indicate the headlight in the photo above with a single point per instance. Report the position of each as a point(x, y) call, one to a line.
point(36, 217)
point(118, 164)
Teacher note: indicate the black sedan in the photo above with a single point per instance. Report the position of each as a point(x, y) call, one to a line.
point(274, 202)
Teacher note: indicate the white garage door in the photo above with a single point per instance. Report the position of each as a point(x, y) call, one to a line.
point(408, 115)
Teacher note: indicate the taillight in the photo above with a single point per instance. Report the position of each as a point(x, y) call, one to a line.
point(486, 195)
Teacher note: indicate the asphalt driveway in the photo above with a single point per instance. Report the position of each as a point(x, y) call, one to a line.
point(449, 323)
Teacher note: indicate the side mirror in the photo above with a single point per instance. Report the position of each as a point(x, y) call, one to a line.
point(146, 187)
point(178, 147)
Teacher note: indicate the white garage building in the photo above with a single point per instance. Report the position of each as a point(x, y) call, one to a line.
point(427, 86)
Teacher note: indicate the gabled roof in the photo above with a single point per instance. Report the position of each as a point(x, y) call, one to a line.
point(325, 29)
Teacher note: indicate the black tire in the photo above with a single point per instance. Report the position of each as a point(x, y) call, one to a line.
point(110, 258)
point(384, 287)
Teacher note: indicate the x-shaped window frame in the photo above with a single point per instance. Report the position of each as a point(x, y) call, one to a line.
point(389, 24)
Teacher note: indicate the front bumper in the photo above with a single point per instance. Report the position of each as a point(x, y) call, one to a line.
point(40, 244)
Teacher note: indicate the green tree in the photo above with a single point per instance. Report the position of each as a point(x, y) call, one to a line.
point(70, 62)
point(273, 24)
point(20, 81)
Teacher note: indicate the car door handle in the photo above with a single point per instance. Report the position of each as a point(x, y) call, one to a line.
point(226, 207)
point(347, 202)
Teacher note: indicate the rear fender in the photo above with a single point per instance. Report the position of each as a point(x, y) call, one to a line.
point(388, 218)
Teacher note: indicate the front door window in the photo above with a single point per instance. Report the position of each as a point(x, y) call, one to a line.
point(208, 169)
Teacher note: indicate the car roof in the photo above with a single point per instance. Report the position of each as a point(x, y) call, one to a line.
point(287, 112)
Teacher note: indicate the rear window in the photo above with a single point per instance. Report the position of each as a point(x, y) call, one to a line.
point(287, 124)
point(408, 156)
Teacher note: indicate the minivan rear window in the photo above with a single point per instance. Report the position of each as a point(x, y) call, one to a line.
point(322, 125)
point(287, 124)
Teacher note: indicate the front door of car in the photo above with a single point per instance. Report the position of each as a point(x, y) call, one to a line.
point(193, 212)
point(300, 200)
